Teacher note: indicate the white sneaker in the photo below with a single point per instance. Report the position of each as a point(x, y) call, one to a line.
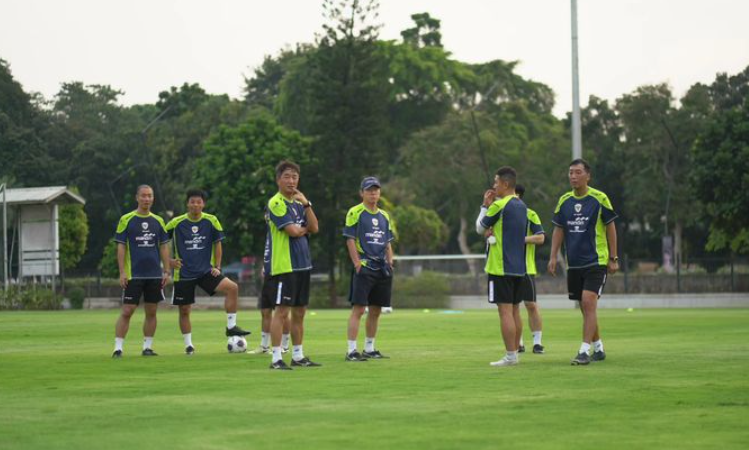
point(505, 361)
point(387, 310)
point(260, 350)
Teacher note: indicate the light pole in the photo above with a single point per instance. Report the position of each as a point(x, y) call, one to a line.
point(577, 143)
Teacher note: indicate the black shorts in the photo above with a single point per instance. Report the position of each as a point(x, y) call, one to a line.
point(184, 290)
point(287, 289)
point(370, 287)
point(149, 288)
point(505, 289)
point(585, 279)
point(528, 290)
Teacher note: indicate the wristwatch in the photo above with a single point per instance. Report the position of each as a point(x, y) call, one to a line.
point(614, 258)
point(308, 205)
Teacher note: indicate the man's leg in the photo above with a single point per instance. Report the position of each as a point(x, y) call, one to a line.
point(357, 311)
point(149, 325)
point(535, 324)
point(297, 331)
point(231, 293)
point(507, 320)
point(373, 321)
point(276, 329)
point(518, 324)
point(266, 316)
point(186, 327)
point(121, 327)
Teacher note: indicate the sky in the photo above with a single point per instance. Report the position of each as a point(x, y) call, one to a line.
point(143, 47)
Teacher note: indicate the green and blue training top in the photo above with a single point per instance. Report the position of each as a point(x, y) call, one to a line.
point(508, 218)
point(283, 253)
point(372, 232)
point(534, 227)
point(142, 236)
point(194, 244)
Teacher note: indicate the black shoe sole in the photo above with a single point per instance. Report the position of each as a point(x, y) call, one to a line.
point(578, 363)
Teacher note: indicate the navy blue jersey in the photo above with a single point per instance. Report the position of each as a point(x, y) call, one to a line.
point(508, 217)
point(584, 221)
point(371, 232)
point(142, 236)
point(194, 243)
point(283, 253)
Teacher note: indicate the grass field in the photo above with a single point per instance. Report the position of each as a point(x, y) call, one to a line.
point(673, 379)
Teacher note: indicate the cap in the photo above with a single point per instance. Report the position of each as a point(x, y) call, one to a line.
point(369, 182)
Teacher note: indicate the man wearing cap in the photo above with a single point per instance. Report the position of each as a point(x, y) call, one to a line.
point(368, 232)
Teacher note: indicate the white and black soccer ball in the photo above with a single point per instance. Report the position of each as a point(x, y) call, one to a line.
point(236, 344)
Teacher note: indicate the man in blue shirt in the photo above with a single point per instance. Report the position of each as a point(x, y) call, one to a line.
point(198, 252)
point(584, 220)
point(506, 216)
point(369, 232)
point(287, 262)
point(141, 242)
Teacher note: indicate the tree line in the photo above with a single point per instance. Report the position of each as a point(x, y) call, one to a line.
point(433, 128)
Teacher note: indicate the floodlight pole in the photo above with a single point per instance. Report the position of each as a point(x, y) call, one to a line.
point(5, 237)
point(577, 144)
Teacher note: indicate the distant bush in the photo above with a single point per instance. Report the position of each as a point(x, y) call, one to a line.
point(30, 297)
point(426, 290)
point(76, 296)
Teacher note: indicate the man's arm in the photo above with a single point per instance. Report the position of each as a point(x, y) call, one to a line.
point(218, 253)
point(353, 253)
point(166, 259)
point(536, 239)
point(295, 230)
point(389, 255)
point(613, 264)
point(488, 199)
point(556, 243)
point(312, 225)
point(121, 264)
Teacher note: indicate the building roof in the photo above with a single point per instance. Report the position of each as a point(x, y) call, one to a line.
point(42, 196)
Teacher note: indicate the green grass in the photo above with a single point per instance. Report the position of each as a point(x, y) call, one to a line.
point(673, 379)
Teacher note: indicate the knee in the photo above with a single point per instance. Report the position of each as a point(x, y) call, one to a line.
point(298, 313)
point(233, 287)
point(530, 306)
point(266, 314)
point(127, 313)
point(184, 311)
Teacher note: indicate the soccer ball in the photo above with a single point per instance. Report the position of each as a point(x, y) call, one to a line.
point(236, 344)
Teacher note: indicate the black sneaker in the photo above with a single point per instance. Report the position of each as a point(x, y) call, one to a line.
point(149, 352)
point(304, 362)
point(538, 348)
point(189, 350)
point(374, 355)
point(355, 356)
point(599, 356)
point(521, 349)
point(236, 331)
point(279, 365)
point(582, 359)
point(117, 354)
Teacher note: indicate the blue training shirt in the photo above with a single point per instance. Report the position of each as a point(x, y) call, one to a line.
point(142, 236)
point(194, 243)
point(371, 232)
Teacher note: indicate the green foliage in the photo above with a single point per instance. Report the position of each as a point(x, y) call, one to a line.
point(721, 169)
point(108, 262)
point(420, 230)
point(426, 290)
point(76, 296)
point(73, 224)
point(29, 297)
point(237, 169)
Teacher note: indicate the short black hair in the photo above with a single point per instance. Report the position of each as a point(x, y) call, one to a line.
point(196, 193)
point(286, 165)
point(581, 161)
point(520, 190)
point(508, 175)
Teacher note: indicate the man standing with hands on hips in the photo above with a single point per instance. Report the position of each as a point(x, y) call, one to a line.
point(584, 220)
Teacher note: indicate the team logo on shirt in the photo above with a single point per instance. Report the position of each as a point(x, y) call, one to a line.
point(578, 207)
point(375, 222)
point(144, 225)
point(194, 228)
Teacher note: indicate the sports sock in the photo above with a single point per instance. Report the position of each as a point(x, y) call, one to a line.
point(231, 320)
point(147, 342)
point(351, 346)
point(118, 343)
point(264, 339)
point(521, 342)
point(584, 348)
point(598, 345)
point(297, 353)
point(276, 354)
point(369, 344)
point(537, 338)
point(188, 339)
point(285, 340)
point(512, 355)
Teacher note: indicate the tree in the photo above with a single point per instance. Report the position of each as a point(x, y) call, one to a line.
point(419, 230)
point(237, 170)
point(73, 224)
point(425, 33)
point(719, 174)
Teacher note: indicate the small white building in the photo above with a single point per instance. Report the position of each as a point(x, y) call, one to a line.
point(37, 228)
